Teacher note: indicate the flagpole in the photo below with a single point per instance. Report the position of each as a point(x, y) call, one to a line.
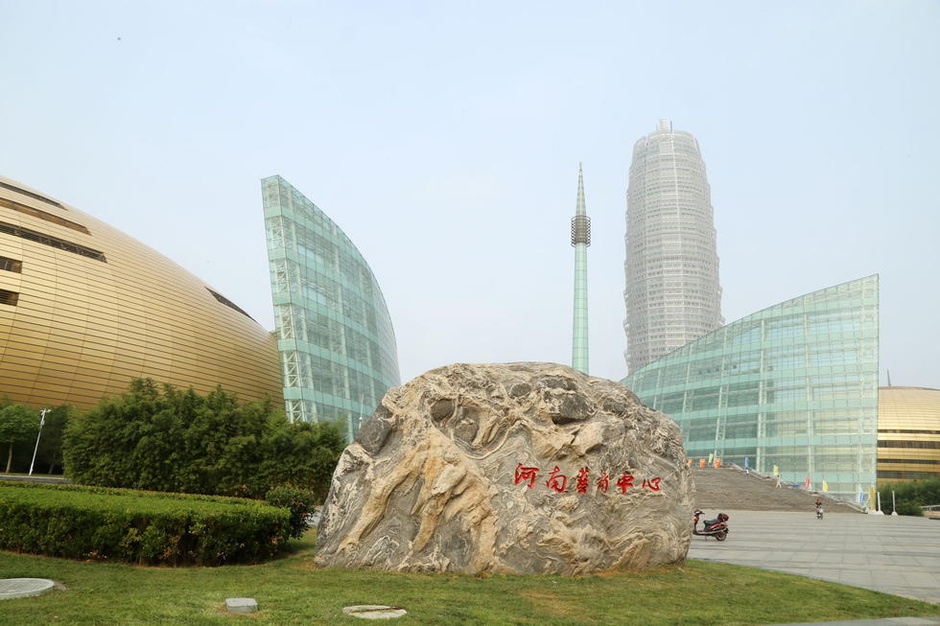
point(42, 420)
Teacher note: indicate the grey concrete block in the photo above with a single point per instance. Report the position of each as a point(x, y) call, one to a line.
point(241, 605)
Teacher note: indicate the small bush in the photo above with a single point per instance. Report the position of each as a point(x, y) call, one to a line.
point(300, 503)
point(138, 527)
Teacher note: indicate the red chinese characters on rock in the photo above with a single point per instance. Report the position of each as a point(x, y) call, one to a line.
point(527, 474)
point(625, 482)
point(558, 482)
point(582, 484)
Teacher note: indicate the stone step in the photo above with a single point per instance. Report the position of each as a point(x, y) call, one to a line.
point(733, 489)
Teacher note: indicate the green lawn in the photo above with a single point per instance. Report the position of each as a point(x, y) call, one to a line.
point(291, 591)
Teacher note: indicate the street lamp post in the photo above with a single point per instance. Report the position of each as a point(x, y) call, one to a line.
point(42, 421)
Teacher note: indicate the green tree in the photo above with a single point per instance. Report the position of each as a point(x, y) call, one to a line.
point(311, 452)
point(911, 495)
point(99, 445)
point(49, 454)
point(18, 425)
point(165, 439)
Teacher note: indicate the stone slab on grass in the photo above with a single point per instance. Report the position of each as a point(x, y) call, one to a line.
point(241, 605)
point(374, 611)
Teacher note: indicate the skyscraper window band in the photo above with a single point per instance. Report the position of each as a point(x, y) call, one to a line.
point(34, 196)
point(228, 303)
point(11, 265)
point(53, 242)
point(9, 297)
point(43, 215)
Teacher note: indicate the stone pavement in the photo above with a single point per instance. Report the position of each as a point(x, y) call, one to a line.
point(899, 555)
point(59, 480)
point(888, 621)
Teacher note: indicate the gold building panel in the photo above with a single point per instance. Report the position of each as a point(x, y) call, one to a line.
point(908, 433)
point(96, 308)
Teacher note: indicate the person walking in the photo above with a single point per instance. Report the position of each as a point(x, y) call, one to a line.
point(819, 508)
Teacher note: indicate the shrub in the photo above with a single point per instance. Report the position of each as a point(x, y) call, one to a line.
point(138, 527)
point(163, 439)
point(300, 503)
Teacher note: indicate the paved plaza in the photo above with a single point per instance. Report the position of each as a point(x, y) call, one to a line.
point(899, 555)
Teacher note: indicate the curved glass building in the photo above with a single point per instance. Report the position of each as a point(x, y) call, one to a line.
point(672, 292)
point(334, 333)
point(793, 388)
point(84, 309)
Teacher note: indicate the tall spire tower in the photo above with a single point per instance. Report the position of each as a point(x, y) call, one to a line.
point(580, 240)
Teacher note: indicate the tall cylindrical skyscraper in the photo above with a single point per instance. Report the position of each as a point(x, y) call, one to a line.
point(580, 240)
point(672, 291)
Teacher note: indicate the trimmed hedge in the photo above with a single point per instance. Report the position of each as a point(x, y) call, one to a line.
point(152, 528)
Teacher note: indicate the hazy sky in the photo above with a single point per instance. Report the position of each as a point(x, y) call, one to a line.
point(444, 138)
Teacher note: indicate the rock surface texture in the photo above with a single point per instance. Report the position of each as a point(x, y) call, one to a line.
point(513, 468)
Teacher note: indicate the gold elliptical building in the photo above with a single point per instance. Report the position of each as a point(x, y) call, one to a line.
point(908, 433)
point(84, 309)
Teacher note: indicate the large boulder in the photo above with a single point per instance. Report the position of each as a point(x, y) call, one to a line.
point(515, 468)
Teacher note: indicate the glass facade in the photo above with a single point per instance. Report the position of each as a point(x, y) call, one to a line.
point(334, 333)
point(672, 293)
point(793, 387)
point(84, 309)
